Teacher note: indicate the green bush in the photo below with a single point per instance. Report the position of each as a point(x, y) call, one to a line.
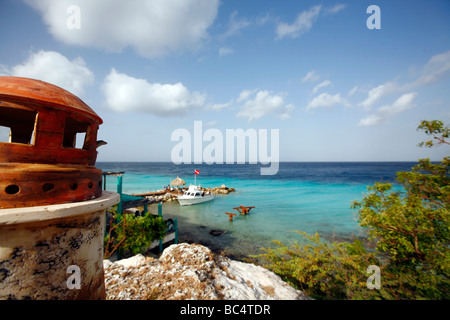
point(321, 269)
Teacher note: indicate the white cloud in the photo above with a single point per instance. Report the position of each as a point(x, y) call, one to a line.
point(325, 100)
point(311, 76)
point(220, 106)
point(210, 123)
point(321, 85)
point(335, 9)
point(54, 68)
point(302, 24)
point(125, 93)
point(235, 25)
point(437, 68)
point(353, 91)
point(370, 120)
point(261, 104)
point(245, 94)
point(385, 113)
point(261, 20)
point(225, 51)
point(376, 93)
point(403, 103)
point(151, 27)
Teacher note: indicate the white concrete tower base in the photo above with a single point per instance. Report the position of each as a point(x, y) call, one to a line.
point(55, 251)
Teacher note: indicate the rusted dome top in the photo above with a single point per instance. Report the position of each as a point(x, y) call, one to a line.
point(36, 91)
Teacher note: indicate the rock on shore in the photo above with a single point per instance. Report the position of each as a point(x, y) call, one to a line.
point(192, 271)
point(170, 196)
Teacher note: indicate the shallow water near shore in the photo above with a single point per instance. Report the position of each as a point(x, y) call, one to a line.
point(311, 197)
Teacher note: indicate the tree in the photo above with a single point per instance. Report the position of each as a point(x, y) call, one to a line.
point(434, 128)
point(411, 225)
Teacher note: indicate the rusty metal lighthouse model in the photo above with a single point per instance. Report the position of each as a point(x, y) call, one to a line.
point(51, 200)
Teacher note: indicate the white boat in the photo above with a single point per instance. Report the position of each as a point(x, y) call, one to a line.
point(194, 195)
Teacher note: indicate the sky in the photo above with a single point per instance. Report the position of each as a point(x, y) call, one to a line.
point(338, 81)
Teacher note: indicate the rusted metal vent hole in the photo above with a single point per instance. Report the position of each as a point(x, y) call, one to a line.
point(48, 187)
point(73, 186)
point(12, 189)
point(90, 185)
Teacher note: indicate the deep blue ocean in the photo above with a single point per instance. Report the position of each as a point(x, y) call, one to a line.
point(307, 196)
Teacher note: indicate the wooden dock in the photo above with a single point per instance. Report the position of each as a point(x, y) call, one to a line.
point(154, 193)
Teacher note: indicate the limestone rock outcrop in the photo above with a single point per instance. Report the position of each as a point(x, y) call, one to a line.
point(191, 271)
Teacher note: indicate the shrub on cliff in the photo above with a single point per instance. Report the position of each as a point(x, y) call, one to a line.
point(322, 270)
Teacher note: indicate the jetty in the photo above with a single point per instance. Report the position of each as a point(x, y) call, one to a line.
point(150, 194)
point(241, 209)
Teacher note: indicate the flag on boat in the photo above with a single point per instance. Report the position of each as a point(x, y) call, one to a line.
point(197, 172)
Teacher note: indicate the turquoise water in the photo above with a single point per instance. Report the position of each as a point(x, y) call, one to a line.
point(282, 205)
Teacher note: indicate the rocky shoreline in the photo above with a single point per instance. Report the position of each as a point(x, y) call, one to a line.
point(191, 271)
point(172, 195)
